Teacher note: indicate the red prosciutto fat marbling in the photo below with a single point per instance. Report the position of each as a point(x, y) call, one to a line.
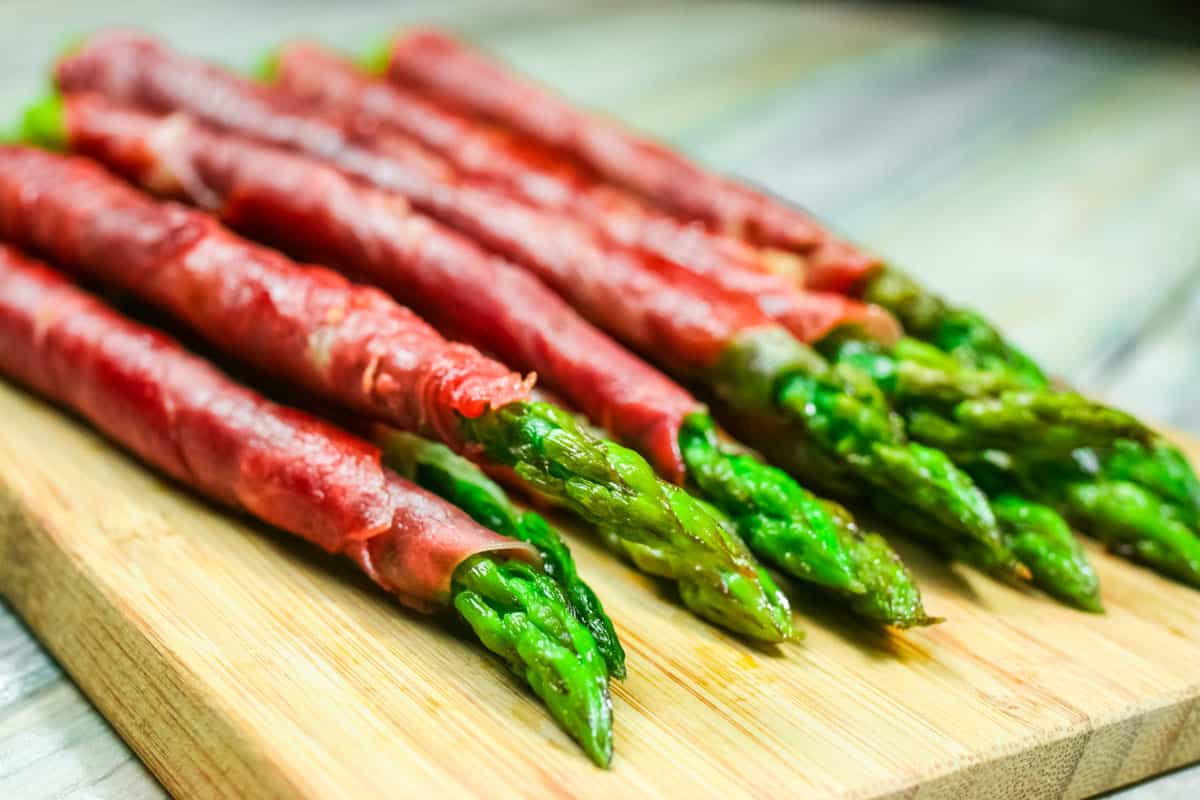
point(545, 179)
point(178, 413)
point(352, 344)
point(308, 206)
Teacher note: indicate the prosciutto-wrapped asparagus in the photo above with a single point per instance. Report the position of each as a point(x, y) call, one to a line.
point(678, 309)
point(288, 469)
point(444, 66)
point(665, 305)
point(310, 208)
point(448, 71)
point(354, 346)
point(527, 170)
point(693, 326)
point(545, 178)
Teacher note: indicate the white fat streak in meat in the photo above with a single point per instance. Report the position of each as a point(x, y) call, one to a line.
point(173, 173)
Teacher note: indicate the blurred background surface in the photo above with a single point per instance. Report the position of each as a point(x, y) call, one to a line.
point(1043, 166)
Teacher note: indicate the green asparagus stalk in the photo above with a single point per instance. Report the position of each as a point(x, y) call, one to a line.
point(806, 537)
point(1130, 519)
point(520, 615)
point(851, 437)
point(1043, 541)
point(1135, 523)
point(1159, 468)
point(664, 530)
point(1039, 536)
point(440, 470)
point(963, 410)
point(1139, 494)
point(963, 334)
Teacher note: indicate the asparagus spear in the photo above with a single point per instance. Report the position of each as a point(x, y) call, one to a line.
point(1136, 524)
point(663, 529)
point(440, 470)
point(521, 615)
point(659, 526)
point(964, 410)
point(807, 537)
point(1043, 541)
point(1161, 469)
point(1141, 496)
point(1039, 536)
point(853, 438)
point(1129, 518)
point(962, 333)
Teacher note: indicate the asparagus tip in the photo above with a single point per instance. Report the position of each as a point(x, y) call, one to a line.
point(660, 527)
point(520, 616)
point(43, 123)
point(439, 469)
point(376, 57)
point(266, 69)
point(754, 608)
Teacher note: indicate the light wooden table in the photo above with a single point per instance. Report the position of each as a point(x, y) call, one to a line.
point(1051, 179)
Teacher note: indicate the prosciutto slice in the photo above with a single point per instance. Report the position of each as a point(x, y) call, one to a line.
point(349, 343)
point(179, 414)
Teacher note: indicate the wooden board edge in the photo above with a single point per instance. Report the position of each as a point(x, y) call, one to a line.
point(133, 683)
point(1077, 762)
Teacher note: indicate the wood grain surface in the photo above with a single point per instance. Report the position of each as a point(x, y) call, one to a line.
point(239, 663)
point(1048, 177)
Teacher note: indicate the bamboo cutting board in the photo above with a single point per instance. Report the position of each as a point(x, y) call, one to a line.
point(239, 663)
